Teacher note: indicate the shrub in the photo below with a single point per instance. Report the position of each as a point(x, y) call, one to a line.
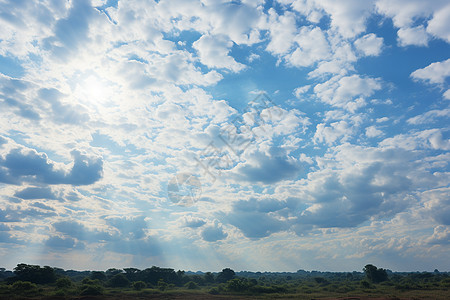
point(91, 290)
point(214, 291)
point(237, 285)
point(19, 286)
point(365, 284)
point(162, 285)
point(191, 285)
point(139, 285)
point(63, 282)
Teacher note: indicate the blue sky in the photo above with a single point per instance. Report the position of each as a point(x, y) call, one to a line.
point(198, 135)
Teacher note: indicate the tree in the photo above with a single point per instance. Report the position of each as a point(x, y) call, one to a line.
point(34, 273)
point(131, 273)
point(225, 275)
point(209, 277)
point(119, 280)
point(113, 271)
point(98, 275)
point(374, 274)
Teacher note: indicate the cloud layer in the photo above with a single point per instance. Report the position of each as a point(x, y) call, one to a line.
point(317, 132)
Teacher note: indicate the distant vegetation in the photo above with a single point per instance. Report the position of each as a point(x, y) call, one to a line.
point(31, 281)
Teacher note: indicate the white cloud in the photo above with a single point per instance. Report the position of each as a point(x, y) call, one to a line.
point(382, 119)
point(416, 36)
point(348, 16)
point(308, 8)
point(252, 57)
point(447, 94)
point(405, 12)
point(298, 92)
point(282, 30)
point(439, 25)
point(312, 47)
point(429, 116)
point(426, 139)
point(347, 90)
point(372, 131)
point(213, 52)
point(369, 44)
point(434, 73)
point(337, 131)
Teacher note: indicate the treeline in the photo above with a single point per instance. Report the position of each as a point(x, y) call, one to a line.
point(32, 280)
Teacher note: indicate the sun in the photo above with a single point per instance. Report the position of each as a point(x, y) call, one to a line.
point(94, 89)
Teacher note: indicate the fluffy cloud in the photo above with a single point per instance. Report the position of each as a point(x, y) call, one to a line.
point(213, 52)
point(434, 73)
point(429, 116)
point(348, 91)
point(312, 47)
point(30, 166)
point(36, 193)
point(255, 218)
point(416, 36)
point(347, 17)
point(372, 131)
point(369, 44)
point(404, 13)
point(268, 169)
point(213, 233)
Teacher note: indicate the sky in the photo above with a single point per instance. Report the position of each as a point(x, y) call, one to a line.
point(204, 134)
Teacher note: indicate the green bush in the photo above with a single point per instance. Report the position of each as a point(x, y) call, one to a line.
point(191, 285)
point(19, 286)
point(139, 285)
point(162, 286)
point(63, 282)
point(238, 285)
point(365, 284)
point(91, 290)
point(214, 291)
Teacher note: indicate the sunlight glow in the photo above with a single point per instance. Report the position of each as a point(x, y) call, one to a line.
point(94, 89)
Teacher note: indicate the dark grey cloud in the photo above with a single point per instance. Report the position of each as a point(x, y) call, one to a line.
point(256, 219)
point(42, 206)
point(213, 233)
point(18, 167)
point(36, 193)
point(269, 169)
point(77, 230)
point(6, 237)
point(58, 243)
point(12, 98)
